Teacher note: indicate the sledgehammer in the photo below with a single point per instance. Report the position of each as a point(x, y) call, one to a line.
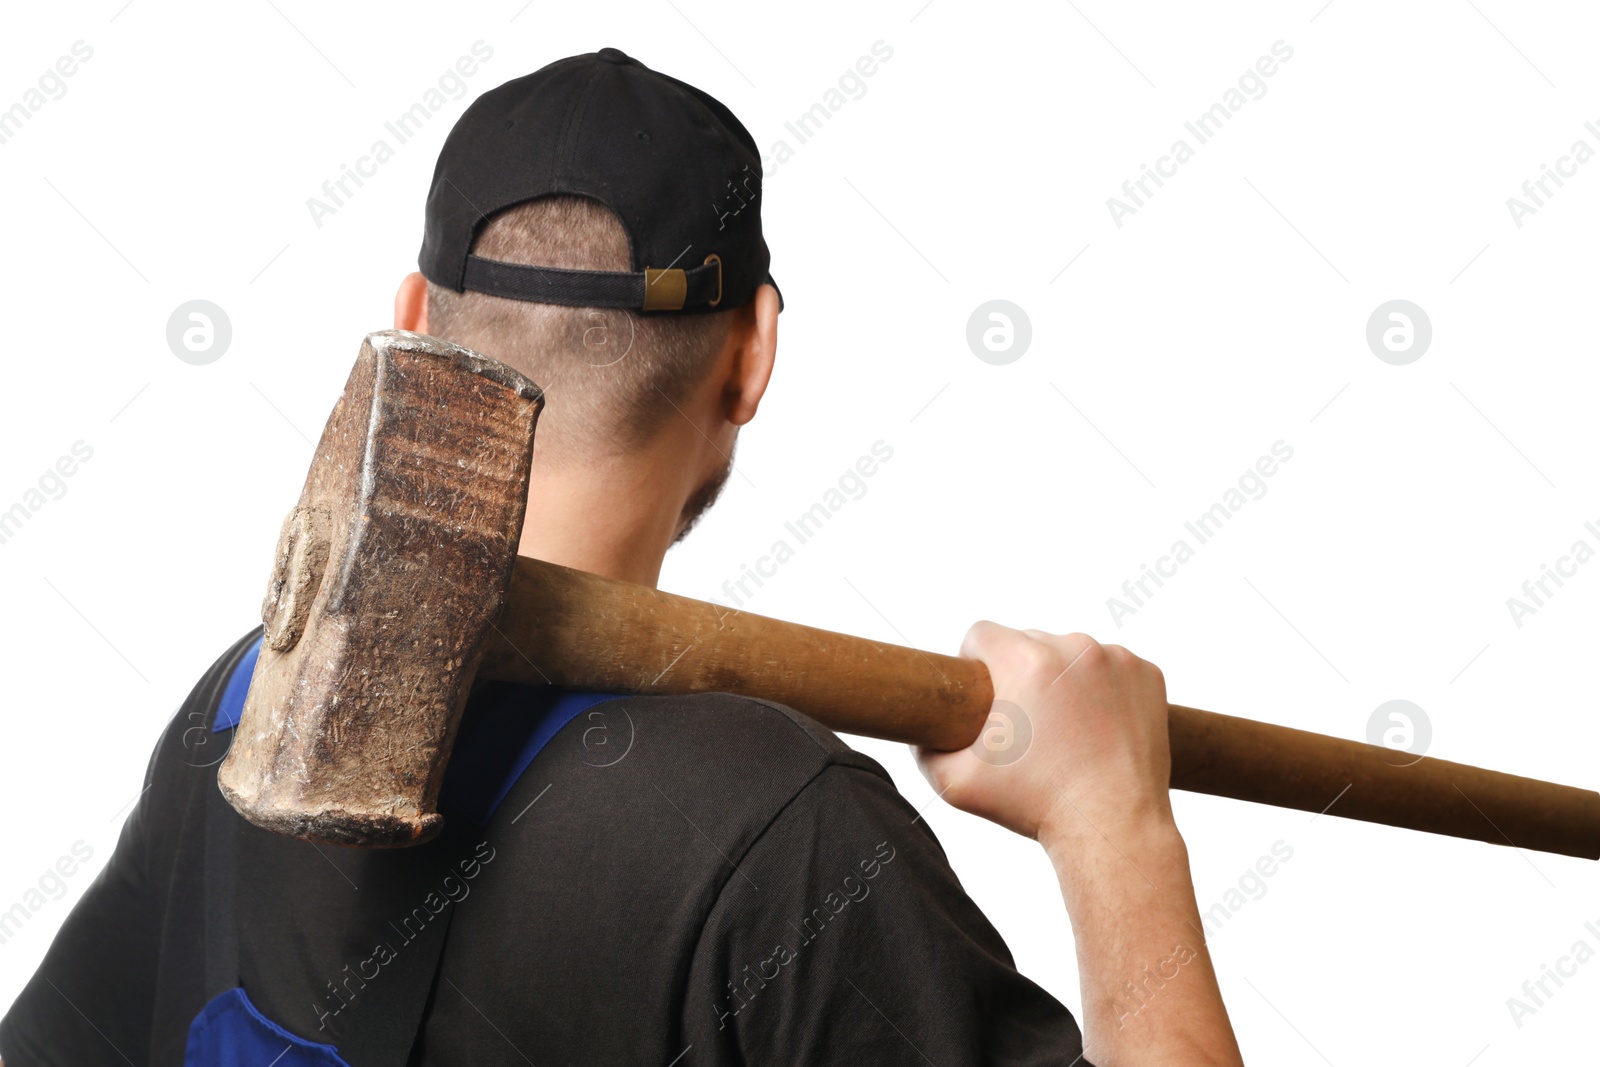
point(396, 582)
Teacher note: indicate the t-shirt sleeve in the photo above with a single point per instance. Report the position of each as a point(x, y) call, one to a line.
point(843, 936)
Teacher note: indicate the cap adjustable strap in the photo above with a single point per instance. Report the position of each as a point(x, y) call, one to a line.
point(668, 289)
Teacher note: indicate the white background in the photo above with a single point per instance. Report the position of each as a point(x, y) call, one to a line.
point(1227, 314)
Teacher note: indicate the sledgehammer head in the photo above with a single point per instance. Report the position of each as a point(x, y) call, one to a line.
point(388, 577)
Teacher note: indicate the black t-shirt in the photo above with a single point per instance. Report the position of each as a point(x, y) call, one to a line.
point(697, 880)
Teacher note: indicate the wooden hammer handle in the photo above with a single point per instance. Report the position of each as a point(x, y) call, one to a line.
point(570, 628)
point(1288, 768)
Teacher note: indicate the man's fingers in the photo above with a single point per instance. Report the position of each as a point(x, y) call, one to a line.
point(984, 637)
point(1119, 656)
point(1031, 652)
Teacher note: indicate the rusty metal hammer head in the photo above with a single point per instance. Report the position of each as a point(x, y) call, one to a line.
point(389, 574)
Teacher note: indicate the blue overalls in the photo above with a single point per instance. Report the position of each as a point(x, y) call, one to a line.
point(487, 761)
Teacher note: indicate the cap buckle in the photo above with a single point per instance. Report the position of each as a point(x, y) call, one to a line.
point(665, 290)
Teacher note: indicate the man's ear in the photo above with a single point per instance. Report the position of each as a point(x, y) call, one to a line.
point(756, 341)
point(411, 304)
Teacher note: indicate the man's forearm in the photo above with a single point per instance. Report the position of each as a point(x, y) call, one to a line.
point(1100, 727)
point(1150, 995)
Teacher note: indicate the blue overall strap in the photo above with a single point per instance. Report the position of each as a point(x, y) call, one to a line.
point(500, 740)
point(231, 706)
point(494, 748)
point(230, 1030)
point(222, 833)
point(504, 729)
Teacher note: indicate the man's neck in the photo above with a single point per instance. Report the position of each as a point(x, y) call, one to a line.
point(615, 518)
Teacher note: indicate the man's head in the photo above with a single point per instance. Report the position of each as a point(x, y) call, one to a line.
point(596, 225)
point(613, 377)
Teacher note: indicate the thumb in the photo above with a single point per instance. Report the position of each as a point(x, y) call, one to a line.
point(942, 768)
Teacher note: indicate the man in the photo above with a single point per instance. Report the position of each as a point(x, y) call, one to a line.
point(667, 880)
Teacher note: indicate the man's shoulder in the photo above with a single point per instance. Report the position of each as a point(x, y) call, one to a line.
point(720, 754)
point(616, 843)
point(676, 790)
point(732, 730)
point(744, 755)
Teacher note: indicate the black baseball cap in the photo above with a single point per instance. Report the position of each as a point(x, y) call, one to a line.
point(675, 165)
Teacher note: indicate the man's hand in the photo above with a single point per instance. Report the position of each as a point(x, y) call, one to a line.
point(1078, 732)
point(1075, 755)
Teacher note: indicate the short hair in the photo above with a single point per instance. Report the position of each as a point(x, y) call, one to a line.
point(611, 376)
